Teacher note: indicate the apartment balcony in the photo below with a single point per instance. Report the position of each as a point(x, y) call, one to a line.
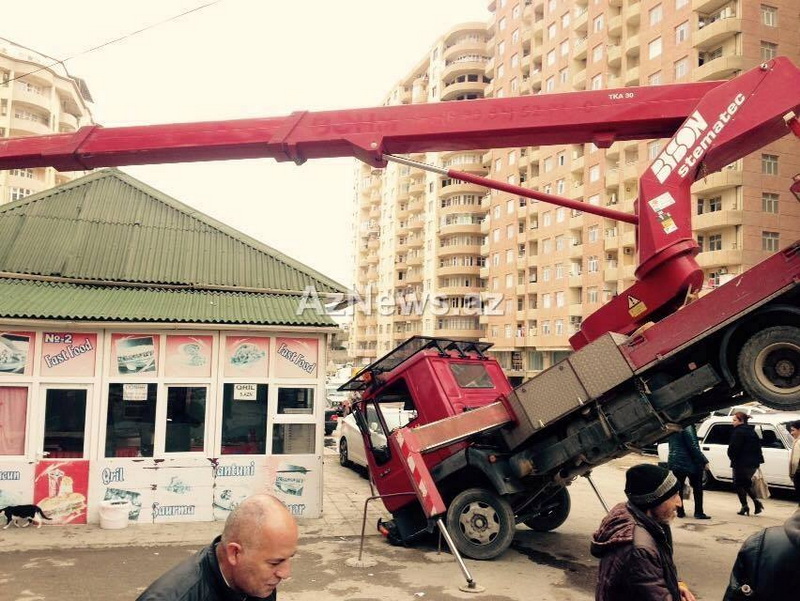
point(580, 23)
point(414, 260)
point(633, 15)
point(457, 249)
point(466, 45)
point(488, 68)
point(414, 225)
point(717, 220)
point(458, 270)
point(535, 79)
point(459, 334)
point(615, 26)
point(719, 258)
point(577, 165)
point(614, 56)
point(26, 126)
point(372, 258)
point(413, 278)
point(533, 261)
point(454, 90)
point(483, 272)
point(402, 212)
point(459, 187)
point(632, 46)
point(612, 152)
point(485, 226)
point(612, 178)
point(579, 49)
point(520, 289)
point(714, 34)
point(575, 251)
point(576, 222)
point(537, 30)
point(628, 272)
point(579, 80)
point(720, 68)
point(631, 77)
point(708, 6)
point(367, 353)
point(457, 290)
point(525, 64)
point(611, 274)
point(375, 212)
point(628, 239)
point(720, 180)
point(631, 172)
point(553, 342)
point(23, 96)
point(458, 67)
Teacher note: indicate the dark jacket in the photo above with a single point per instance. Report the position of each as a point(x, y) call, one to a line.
point(685, 455)
point(769, 563)
point(196, 579)
point(635, 558)
point(744, 449)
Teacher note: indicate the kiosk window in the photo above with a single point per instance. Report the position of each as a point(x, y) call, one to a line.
point(186, 419)
point(13, 412)
point(244, 419)
point(64, 422)
point(131, 420)
point(296, 401)
point(293, 439)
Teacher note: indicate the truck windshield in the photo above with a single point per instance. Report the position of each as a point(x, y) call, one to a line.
point(471, 375)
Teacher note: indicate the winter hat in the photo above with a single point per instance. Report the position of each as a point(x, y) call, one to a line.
point(648, 485)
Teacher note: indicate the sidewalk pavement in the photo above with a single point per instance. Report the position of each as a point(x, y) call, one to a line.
point(344, 493)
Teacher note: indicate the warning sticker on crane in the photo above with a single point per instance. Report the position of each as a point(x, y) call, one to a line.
point(635, 306)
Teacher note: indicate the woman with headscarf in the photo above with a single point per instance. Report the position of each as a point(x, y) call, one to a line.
point(744, 451)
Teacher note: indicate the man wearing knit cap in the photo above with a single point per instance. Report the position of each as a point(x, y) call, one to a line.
point(634, 541)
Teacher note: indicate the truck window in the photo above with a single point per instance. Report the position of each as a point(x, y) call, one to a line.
point(471, 375)
point(719, 434)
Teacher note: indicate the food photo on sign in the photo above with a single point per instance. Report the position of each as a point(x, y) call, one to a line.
point(188, 356)
point(246, 356)
point(60, 489)
point(15, 348)
point(135, 353)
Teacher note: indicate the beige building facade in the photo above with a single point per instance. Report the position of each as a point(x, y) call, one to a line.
point(37, 97)
point(549, 265)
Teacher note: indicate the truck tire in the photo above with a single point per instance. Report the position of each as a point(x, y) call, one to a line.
point(556, 510)
point(769, 367)
point(480, 523)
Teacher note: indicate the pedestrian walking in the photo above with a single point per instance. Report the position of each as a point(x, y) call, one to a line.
point(634, 541)
point(744, 451)
point(246, 563)
point(794, 458)
point(767, 565)
point(687, 461)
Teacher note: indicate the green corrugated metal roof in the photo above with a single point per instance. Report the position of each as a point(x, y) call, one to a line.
point(29, 299)
point(109, 226)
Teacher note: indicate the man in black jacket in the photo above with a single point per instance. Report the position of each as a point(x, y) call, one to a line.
point(246, 563)
point(767, 564)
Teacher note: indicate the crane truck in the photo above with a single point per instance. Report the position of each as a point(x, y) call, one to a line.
point(655, 358)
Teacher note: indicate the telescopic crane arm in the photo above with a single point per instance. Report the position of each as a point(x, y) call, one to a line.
point(716, 124)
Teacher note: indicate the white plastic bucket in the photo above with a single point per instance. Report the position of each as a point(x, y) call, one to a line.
point(114, 514)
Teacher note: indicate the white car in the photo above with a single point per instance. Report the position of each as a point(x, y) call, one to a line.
point(351, 444)
point(714, 434)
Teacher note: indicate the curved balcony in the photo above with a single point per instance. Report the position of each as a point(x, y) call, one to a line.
point(458, 209)
point(632, 45)
point(459, 187)
point(631, 76)
point(416, 242)
point(458, 249)
point(717, 220)
point(372, 258)
point(26, 126)
point(459, 67)
point(459, 334)
point(719, 68)
point(416, 186)
point(414, 260)
point(720, 180)
point(615, 26)
point(415, 205)
point(452, 91)
point(708, 6)
point(41, 101)
point(719, 258)
point(373, 243)
point(614, 56)
point(413, 278)
point(633, 16)
point(612, 178)
point(459, 270)
point(715, 33)
point(580, 23)
point(467, 45)
point(415, 224)
point(460, 228)
point(71, 121)
point(579, 49)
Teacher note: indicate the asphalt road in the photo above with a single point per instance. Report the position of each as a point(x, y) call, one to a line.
point(552, 566)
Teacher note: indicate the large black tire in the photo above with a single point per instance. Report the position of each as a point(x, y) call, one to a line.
point(769, 367)
point(344, 460)
point(480, 523)
point(554, 513)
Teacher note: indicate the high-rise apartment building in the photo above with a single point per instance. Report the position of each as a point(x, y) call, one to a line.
point(553, 265)
point(37, 97)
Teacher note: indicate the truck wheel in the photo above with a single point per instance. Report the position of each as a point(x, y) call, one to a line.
point(554, 512)
point(769, 367)
point(344, 460)
point(480, 523)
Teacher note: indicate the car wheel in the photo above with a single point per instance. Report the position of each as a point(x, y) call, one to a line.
point(344, 460)
point(769, 367)
point(480, 523)
point(553, 512)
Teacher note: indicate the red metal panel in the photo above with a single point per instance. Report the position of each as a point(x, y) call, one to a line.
point(461, 426)
point(406, 445)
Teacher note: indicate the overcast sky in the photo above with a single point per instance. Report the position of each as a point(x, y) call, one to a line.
point(237, 59)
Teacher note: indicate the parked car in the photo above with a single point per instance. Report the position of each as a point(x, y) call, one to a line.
point(351, 443)
point(714, 434)
point(748, 409)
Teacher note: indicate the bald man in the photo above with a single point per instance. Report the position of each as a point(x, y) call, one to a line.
point(247, 562)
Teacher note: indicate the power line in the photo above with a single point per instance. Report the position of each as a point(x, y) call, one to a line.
point(115, 40)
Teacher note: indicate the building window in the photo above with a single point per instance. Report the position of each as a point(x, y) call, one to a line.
point(715, 242)
point(551, 31)
point(592, 295)
point(768, 50)
point(17, 193)
point(654, 79)
point(682, 32)
point(593, 265)
point(594, 173)
point(13, 416)
point(681, 68)
point(769, 202)
point(597, 82)
point(656, 14)
point(769, 164)
point(770, 241)
point(592, 233)
point(598, 24)
point(597, 53)
point(244, 420)
point(769, 15)
point(551, 57)
point(131, 420)
point(680, 3)
point(654, 49)
point(653, 149)
point(714, 204)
